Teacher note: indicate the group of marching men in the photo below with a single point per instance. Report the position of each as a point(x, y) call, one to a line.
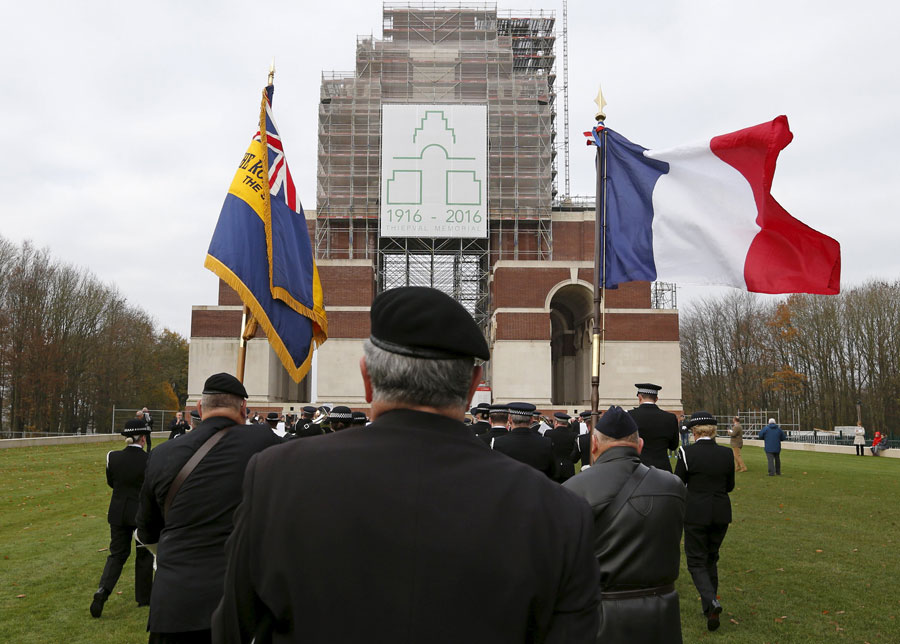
point(376, 533)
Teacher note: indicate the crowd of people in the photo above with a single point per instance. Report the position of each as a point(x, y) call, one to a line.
point(395, 528)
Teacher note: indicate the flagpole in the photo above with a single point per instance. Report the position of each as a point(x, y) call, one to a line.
point(248, 322)
point(599, 258)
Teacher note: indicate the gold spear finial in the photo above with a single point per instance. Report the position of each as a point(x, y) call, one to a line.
point(600, 116)
point(272, 71)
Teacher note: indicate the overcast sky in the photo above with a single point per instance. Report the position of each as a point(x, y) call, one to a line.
point(123, 124)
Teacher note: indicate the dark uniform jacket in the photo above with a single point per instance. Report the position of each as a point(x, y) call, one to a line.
point(582, 450)
point(563, 441)
point(659, 429)
point(481, 427)
point(177, 428)
point(379, 547)
point(708, 471)
point(492, 433)
point(528, 447)
point(191, 552)
point(638, 548)
point(125, 475)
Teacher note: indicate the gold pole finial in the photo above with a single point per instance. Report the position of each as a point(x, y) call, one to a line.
point(600, 116)
point(272, 71)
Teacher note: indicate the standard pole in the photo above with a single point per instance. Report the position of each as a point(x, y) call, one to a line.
point(599, 272)
point(242, 347)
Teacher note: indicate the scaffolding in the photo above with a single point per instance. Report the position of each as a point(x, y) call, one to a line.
point(432, 53)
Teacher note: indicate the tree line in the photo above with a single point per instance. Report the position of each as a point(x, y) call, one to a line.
point(72, 347)
point(816, 354)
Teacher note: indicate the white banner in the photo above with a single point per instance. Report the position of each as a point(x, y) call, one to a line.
point(434, 171)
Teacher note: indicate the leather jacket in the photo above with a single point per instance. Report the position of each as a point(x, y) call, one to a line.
point(636, 549)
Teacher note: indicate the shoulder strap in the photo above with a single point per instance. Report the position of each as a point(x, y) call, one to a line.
point(189, 467)
point(611, 510)
point(683, 455)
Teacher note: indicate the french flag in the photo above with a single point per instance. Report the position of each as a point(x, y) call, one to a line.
point(704, 214)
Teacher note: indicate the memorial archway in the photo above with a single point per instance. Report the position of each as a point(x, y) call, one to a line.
point(571, 315)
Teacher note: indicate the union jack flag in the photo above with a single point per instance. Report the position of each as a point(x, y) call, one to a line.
point(280, 181)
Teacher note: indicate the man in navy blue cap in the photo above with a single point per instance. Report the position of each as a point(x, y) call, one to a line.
point(498, 414)
point(638, 515)
point(375, 534)
point(189, 529)
point(523, 443)
point(658, 428)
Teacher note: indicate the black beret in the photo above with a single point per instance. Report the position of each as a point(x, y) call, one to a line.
point(522, 409)
point(647, 388)
point(272, 415)
point(616, 423)
point(562, 415)
point(701, 418)
point(309, 409)
point(134, 427)
point(423, 322)
point(341, 413)
point(224, 383)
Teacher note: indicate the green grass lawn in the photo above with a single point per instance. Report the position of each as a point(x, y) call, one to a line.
point(811, 557)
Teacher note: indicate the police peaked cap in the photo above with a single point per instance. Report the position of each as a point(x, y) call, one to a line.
point(272, 415)
point(498, 408)
point(135, 427)
point(701, 418)
point(561, 415)
point(224, 383)
point(585, 414)
point(341, 413)
point(647, 388)
point(195, 415)
point(521, 409)
point(422, 322)
point(359, 416)
point(616, 423)
point(309, 409)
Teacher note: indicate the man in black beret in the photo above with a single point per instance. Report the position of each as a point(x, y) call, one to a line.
point(190, 527)
point(125, 475)
point(563, 441)
point(658, 428)
point(380, 543)
point(638, 515)
point(525, 444)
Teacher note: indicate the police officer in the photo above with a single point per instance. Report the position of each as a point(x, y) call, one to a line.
point(525, 444)
point(563, 441)
point(125, 475)
point(340, 417)
point(499, 417)
point(480, 413)
point(658, 428)
point(305, 426)
point(638, 513)
point(708, 471)
point(359, 419)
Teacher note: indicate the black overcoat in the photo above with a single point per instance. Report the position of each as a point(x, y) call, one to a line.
point(659, 429)
point(524, 445)
point(190, 558)
point(125, 475)
point(367, 536)
point(708, 471)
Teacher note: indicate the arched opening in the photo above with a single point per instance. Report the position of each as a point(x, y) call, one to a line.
point(571, 314)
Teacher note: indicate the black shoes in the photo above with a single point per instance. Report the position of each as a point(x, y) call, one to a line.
point(712, 615)
point(100, 598)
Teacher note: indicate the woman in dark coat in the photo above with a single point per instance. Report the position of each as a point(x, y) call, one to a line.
point(708, 471)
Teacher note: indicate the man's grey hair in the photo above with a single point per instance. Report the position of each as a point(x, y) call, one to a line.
point(418, 381)
point(221, 401)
